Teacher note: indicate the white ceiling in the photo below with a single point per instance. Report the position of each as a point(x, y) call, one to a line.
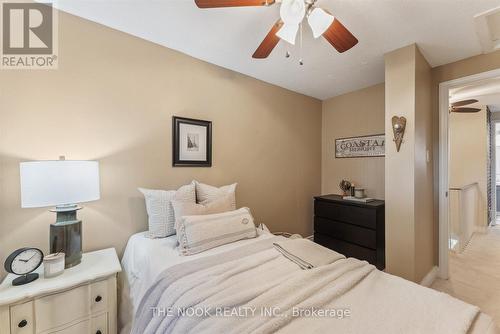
point(487, 92)
point(443, 29)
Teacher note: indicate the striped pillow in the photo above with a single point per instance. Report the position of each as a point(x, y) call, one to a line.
point(161, 215)
point(200, 233)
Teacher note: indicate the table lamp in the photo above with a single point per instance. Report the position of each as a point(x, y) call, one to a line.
point(61, 183)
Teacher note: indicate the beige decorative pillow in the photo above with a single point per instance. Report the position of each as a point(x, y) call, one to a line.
point(183, 208)
point(206, 193)
point(199, 233)
point(161, 216)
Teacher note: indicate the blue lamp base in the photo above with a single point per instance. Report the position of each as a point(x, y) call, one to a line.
point(66, 235)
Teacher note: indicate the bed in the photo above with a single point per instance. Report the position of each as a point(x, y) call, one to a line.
point(149, 263)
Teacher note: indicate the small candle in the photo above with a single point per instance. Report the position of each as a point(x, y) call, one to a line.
point(53, 264)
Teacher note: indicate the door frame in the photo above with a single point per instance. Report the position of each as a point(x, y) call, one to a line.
point(444, 102)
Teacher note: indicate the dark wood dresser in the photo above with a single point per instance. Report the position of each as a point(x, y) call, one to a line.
point(354, 229)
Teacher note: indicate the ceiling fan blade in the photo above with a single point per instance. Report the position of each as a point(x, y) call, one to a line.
point(270, 41)
point(463, 103)
point(339, 37)
point(231, 3)
point(465, 110)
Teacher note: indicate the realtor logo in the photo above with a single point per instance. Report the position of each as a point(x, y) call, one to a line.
point(29, 36)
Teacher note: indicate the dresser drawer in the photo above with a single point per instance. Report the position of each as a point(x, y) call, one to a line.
point(21, 319)
point(100, 324)
point(351, 233)
point(348, 249)
point(99, 297)
point(62, 308)
point(346, 213)
point(82, 327)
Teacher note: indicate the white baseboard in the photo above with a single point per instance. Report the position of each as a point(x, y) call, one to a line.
point(430, 277)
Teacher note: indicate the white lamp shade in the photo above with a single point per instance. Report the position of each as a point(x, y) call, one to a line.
point(319, 21)
point(288, 32)
point(58, 182)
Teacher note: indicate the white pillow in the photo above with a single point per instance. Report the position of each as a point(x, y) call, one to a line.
point(183, 208)
point(161, 215)
point(206, 193)
point(199, 233)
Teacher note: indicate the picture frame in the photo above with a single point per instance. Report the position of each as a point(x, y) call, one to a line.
point(191, 142)
point(360, 146)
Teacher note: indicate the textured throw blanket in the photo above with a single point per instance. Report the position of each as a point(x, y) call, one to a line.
point(306, 254)
point(255, 289)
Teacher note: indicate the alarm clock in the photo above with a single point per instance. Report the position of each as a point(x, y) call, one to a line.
point(23, 262)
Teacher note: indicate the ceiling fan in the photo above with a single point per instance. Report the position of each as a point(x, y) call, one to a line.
point(292, 13)
point(456, 106)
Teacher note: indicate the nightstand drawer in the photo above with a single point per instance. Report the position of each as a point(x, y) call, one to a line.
point(62, 308)
point(82, 327)
point(99, 297)
point(100, 324)
point(21, 319)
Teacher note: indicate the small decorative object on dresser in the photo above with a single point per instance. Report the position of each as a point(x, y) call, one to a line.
point(345, 186)
point(81, 300)
point(192, 142)
point(53, 265)
point(23, 262)
point(352, 228)
point(359, 193)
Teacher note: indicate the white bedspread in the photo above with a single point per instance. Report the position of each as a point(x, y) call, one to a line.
point(145, 258)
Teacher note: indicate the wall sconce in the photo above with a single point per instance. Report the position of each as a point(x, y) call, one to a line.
point(398, 127)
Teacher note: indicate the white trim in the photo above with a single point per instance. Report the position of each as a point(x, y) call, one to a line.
point(444, 88)
point(430, 277)
point(443, 180)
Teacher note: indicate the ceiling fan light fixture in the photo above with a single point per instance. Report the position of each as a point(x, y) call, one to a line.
point(292, 11)
point(319, 21)
point(288, 33)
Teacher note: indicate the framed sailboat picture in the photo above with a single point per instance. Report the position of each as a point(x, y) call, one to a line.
point(192, 142)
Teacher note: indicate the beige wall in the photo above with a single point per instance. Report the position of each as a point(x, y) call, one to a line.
point(408, 186)
point(469, 156)
point(112, 99)
point(354, 114)
point(399, 168)
point(424, 223)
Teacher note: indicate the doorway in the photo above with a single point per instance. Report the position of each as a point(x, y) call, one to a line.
point(445, 89)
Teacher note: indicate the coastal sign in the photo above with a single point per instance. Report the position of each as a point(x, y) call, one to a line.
point(364, 146)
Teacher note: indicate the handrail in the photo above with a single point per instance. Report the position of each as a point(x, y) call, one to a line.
point(465, 187)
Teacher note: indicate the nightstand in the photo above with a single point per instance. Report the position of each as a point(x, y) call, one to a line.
point(82, 300)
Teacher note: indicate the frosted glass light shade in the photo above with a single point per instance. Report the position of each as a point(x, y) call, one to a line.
point(288, 32)
point(58, 182)
point(292, 11)
point(319, 21)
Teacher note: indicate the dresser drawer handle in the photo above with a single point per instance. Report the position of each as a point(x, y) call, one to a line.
point(98, 299)
point(98, 332)
point(22, 323)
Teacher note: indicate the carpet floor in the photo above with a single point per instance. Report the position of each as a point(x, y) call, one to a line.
point(475, 273)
